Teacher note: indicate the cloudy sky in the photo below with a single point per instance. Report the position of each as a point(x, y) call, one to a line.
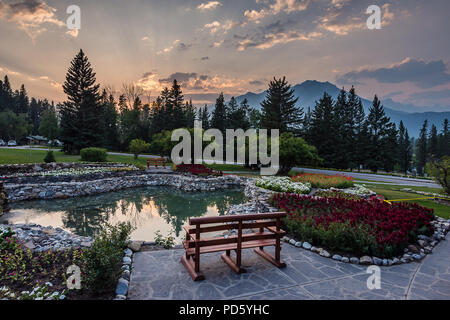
point(234, 46)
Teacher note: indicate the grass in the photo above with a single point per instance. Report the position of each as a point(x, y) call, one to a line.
point(392, 192)
point(12, 156)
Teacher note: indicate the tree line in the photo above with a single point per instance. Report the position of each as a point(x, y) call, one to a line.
point(343, 135)
point(21, 115)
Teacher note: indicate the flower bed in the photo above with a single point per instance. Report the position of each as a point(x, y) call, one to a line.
point(283, 184)
point(358, 227)
point(70, 172)
point(198, 170)
point(324, 181)
point(27, 274)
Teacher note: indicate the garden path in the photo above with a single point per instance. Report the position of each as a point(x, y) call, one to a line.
point(160, 275)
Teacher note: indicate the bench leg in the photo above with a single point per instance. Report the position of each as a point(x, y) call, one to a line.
point(189, 264)
point(278, 263)
point(232, 264)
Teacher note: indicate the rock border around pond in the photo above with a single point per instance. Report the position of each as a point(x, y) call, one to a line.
point(62, 190)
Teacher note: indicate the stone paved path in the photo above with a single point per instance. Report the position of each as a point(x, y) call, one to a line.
point(160, 275)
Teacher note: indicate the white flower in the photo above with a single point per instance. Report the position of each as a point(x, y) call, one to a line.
point(283, 184)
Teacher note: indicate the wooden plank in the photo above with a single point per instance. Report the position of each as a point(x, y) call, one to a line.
point(232, 264)
point(189, 265)
point(237, 218)
point(233, 246)
point(231, 226)
point(233, 239)
point(270, 258)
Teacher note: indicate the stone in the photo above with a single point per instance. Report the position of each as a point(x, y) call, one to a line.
point(120, 297)
point(377, 261)
point(135, 245)
point(385, 262)
point(29, 245)
point(292, 241)
point(126, 260)
point(354, 260)
point(337, 257)
point(345, 260)
point(422, 243)
point(417, 256)
point(407, 257)
point(298, 244)
point(128, 252)
point(366, 260)
point(126, 275)
point(307, 246)
point(390, 262)
point(395, 261)
point(122, 287)
point(315, 249)
point(325, 253)
point(413, 249)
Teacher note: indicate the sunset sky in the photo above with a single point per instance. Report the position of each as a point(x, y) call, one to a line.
point(234, 46)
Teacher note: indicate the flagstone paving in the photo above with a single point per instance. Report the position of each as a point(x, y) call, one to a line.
point(160, 275)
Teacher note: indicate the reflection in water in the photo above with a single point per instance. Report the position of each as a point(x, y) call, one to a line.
point(148, 209)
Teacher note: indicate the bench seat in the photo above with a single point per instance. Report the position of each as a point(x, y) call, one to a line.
point(264, 231)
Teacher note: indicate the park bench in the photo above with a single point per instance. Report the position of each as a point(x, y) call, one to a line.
point(268, 233)
point(156, 162)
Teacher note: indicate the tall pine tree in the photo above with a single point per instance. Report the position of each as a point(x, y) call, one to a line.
point(82, 114)
point(279, 109)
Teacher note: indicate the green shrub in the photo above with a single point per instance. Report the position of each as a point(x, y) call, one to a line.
point(49, 157)
point(93, 155)
point(103, 260)
point(166, 242)
point(440, 171)
point(138, 146)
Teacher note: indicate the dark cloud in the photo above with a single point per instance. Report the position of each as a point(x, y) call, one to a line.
point(180, 77)
point(183, 46)
point(256, 83)
point(424, 74)
point(204, 58)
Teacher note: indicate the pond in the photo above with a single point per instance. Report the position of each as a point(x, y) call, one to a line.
point(149, 209)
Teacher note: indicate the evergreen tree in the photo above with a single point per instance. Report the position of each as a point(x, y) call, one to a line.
point(22, 103)
point(279, 110)
point(204, 117)
point(219, 118)
point(444, 141)
point(82, 114)
point(238, 114)
point(176, 102)
point(189, 114)
point(422, 148)
point(342, 156)
point(381, 133)
point(433, 143)
point(110, 121)
point(404, 148)
point(35, 115)
point(322, 130)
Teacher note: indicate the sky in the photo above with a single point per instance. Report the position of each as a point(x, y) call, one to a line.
point(233, 46)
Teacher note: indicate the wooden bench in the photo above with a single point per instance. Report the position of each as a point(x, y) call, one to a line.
point(156, 162)
point(268, 234)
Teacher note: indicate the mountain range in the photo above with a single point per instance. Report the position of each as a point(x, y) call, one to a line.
point(311, 91)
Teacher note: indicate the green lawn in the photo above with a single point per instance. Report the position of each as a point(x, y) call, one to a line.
point(392, 192)
point(12, 156)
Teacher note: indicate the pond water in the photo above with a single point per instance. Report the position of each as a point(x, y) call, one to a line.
point(149, 209)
